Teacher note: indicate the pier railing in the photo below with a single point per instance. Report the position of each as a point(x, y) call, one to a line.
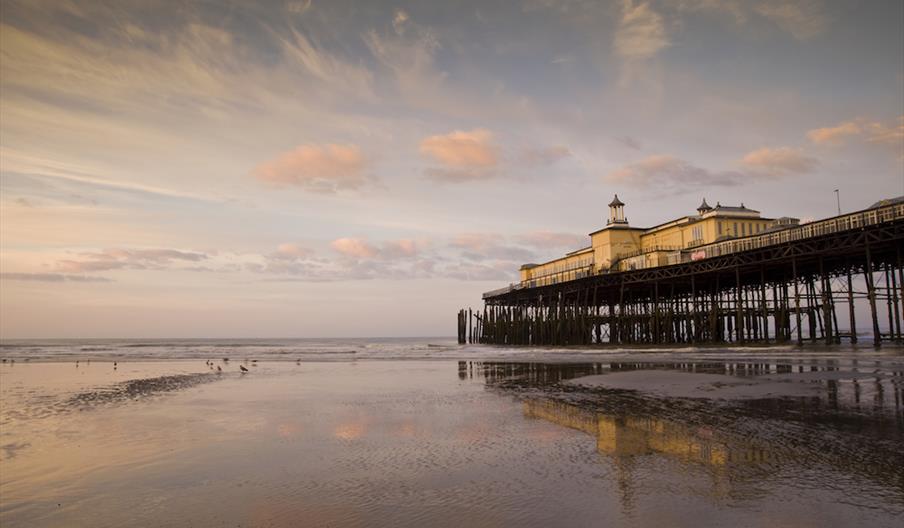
point(828, 226)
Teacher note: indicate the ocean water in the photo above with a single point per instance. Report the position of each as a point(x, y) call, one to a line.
point(413, 348)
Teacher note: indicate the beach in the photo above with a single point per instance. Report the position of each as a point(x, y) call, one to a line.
point(474, 436)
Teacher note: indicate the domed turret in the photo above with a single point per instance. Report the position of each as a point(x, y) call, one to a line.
point(704, 208)
point(616, 212)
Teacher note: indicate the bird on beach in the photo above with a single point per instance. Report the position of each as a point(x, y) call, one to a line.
point(219, 369)
point(243, 369)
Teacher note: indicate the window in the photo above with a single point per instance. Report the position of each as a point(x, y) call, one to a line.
point(719, 225)
point(735, 229)
point(743, 229)
point(698, 233)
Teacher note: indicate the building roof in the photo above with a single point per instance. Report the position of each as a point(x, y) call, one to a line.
point(733, 209)
point(887, 201)
point(615, 202)
point(614, 225)
point(582, 250)
point(704, 206)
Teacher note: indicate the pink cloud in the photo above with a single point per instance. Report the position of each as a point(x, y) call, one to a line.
point(290, 251)
point(402, 248)
point(354, 247)
point(473, 149)
point(834, 135)
point(880, 133)
point(318, 168)
point(779, 161)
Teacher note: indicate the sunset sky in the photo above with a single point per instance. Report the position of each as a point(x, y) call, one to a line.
point(332, 168)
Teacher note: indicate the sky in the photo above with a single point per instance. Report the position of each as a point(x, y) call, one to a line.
point(319, 168)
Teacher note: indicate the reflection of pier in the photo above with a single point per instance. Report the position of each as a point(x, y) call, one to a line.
point(631, 436)
point(853, 427)
point(849, 388)
point(799, 284)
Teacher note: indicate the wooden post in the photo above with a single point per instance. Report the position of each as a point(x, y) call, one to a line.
point(739, 323)
point(765, 304)
point(826, 307)
point(850, 288)
point(871, 294)
point(800, 339)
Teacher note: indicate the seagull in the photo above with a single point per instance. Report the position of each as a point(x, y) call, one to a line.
point(243, 369)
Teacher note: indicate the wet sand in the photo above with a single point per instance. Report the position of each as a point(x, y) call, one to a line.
point(452, 443)
point(672, 384)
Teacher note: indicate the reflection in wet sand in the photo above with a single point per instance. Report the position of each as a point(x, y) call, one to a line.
point(848, 432)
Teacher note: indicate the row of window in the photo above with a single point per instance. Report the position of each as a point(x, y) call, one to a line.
point(745, 229)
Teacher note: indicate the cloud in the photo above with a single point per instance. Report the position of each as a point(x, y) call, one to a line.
point(318, 168)
point(489, 246)
point(408, 53)
point(298, 7)
point(403, 248)
point(360, 248)
point(469, 271)
point(550, 239)
point(465, 155)
point(641, 32)
point(51, 277)
point(629, 142)
point(540, 156)
point(834, 135)
point(879, 133)
point(472, 149)
point(291, 251)
point(399, 21)
point(121, 258)
point(871, 132)
point(803, 19)
point(779, 161)
point(354, 247)
point(670, 174)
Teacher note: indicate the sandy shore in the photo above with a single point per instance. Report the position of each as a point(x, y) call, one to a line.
point(402, 443)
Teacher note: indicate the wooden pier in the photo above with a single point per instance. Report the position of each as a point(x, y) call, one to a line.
point(812, 283)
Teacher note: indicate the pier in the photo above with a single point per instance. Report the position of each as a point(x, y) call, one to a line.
point(796, 285)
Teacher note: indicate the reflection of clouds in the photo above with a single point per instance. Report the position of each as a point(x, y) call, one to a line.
point(288, 430)
point(350, 430)
point(411, 429)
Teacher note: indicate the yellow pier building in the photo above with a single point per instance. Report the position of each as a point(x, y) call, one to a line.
point(621, 247)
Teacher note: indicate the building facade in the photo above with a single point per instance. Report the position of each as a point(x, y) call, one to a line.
point(620, 247)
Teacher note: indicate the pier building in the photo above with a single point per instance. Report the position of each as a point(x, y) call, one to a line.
point(619, 246)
